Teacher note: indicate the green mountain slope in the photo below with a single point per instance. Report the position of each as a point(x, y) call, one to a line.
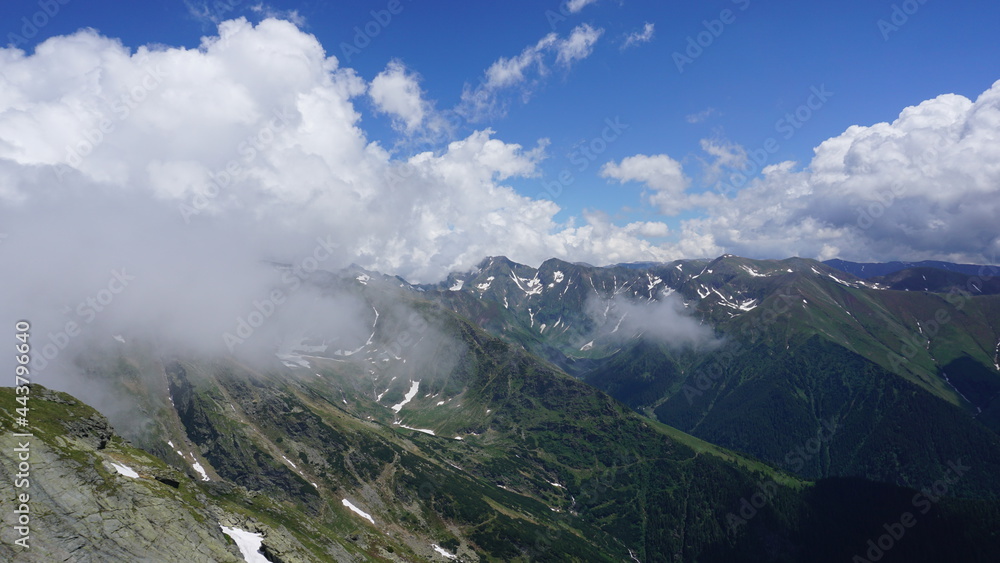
point(433, 439)
point(913, 359)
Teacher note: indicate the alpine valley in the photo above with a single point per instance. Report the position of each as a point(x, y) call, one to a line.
point(723, 410)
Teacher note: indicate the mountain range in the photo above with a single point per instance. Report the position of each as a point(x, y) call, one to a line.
point(699, 410)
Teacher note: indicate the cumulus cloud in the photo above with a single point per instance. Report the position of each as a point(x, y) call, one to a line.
point(396, 91)
point(662, 174)
point(525, 71)
point(177, 189)
point(639, 37)
point(926, 186)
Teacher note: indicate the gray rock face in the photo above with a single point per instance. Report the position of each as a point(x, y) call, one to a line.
point(82, 510)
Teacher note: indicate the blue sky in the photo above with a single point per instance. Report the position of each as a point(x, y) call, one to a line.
point(757, 63)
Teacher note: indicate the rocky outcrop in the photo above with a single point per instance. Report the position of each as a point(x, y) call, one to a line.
point(83, 510)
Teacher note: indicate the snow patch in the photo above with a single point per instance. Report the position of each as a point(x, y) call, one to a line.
point(424, 430)
point(358, 511)
point(653, 281)
point(414, 387)
point(617, 326)
point(125, 470)
point(197, 467)
point(119, 338)
point(289, 462)
point(531, 286)
point(248, 543)
point(442, 552)
point(840, 281)
point(587, 346)
point(363, 278)
point(753, 272)
point(457, 286)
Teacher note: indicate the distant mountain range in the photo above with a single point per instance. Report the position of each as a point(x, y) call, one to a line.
point(868, 270)
point(800, 342)
point(699, 410)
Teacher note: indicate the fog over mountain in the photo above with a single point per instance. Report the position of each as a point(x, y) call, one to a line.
point(664, 320)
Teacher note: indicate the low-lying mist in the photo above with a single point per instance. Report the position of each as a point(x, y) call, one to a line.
point(665, 320)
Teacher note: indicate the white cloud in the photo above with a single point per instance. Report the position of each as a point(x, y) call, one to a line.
point(258, 137)
point(574, 6)
point(396, 91)
point(214, 13)
point(651, 229)
point(525, 71)
point(267, 11)
point(664, 175)
point(723, 155)
point(579, 45)
point(639, 37)
point(926, 186)
point(188, 173)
